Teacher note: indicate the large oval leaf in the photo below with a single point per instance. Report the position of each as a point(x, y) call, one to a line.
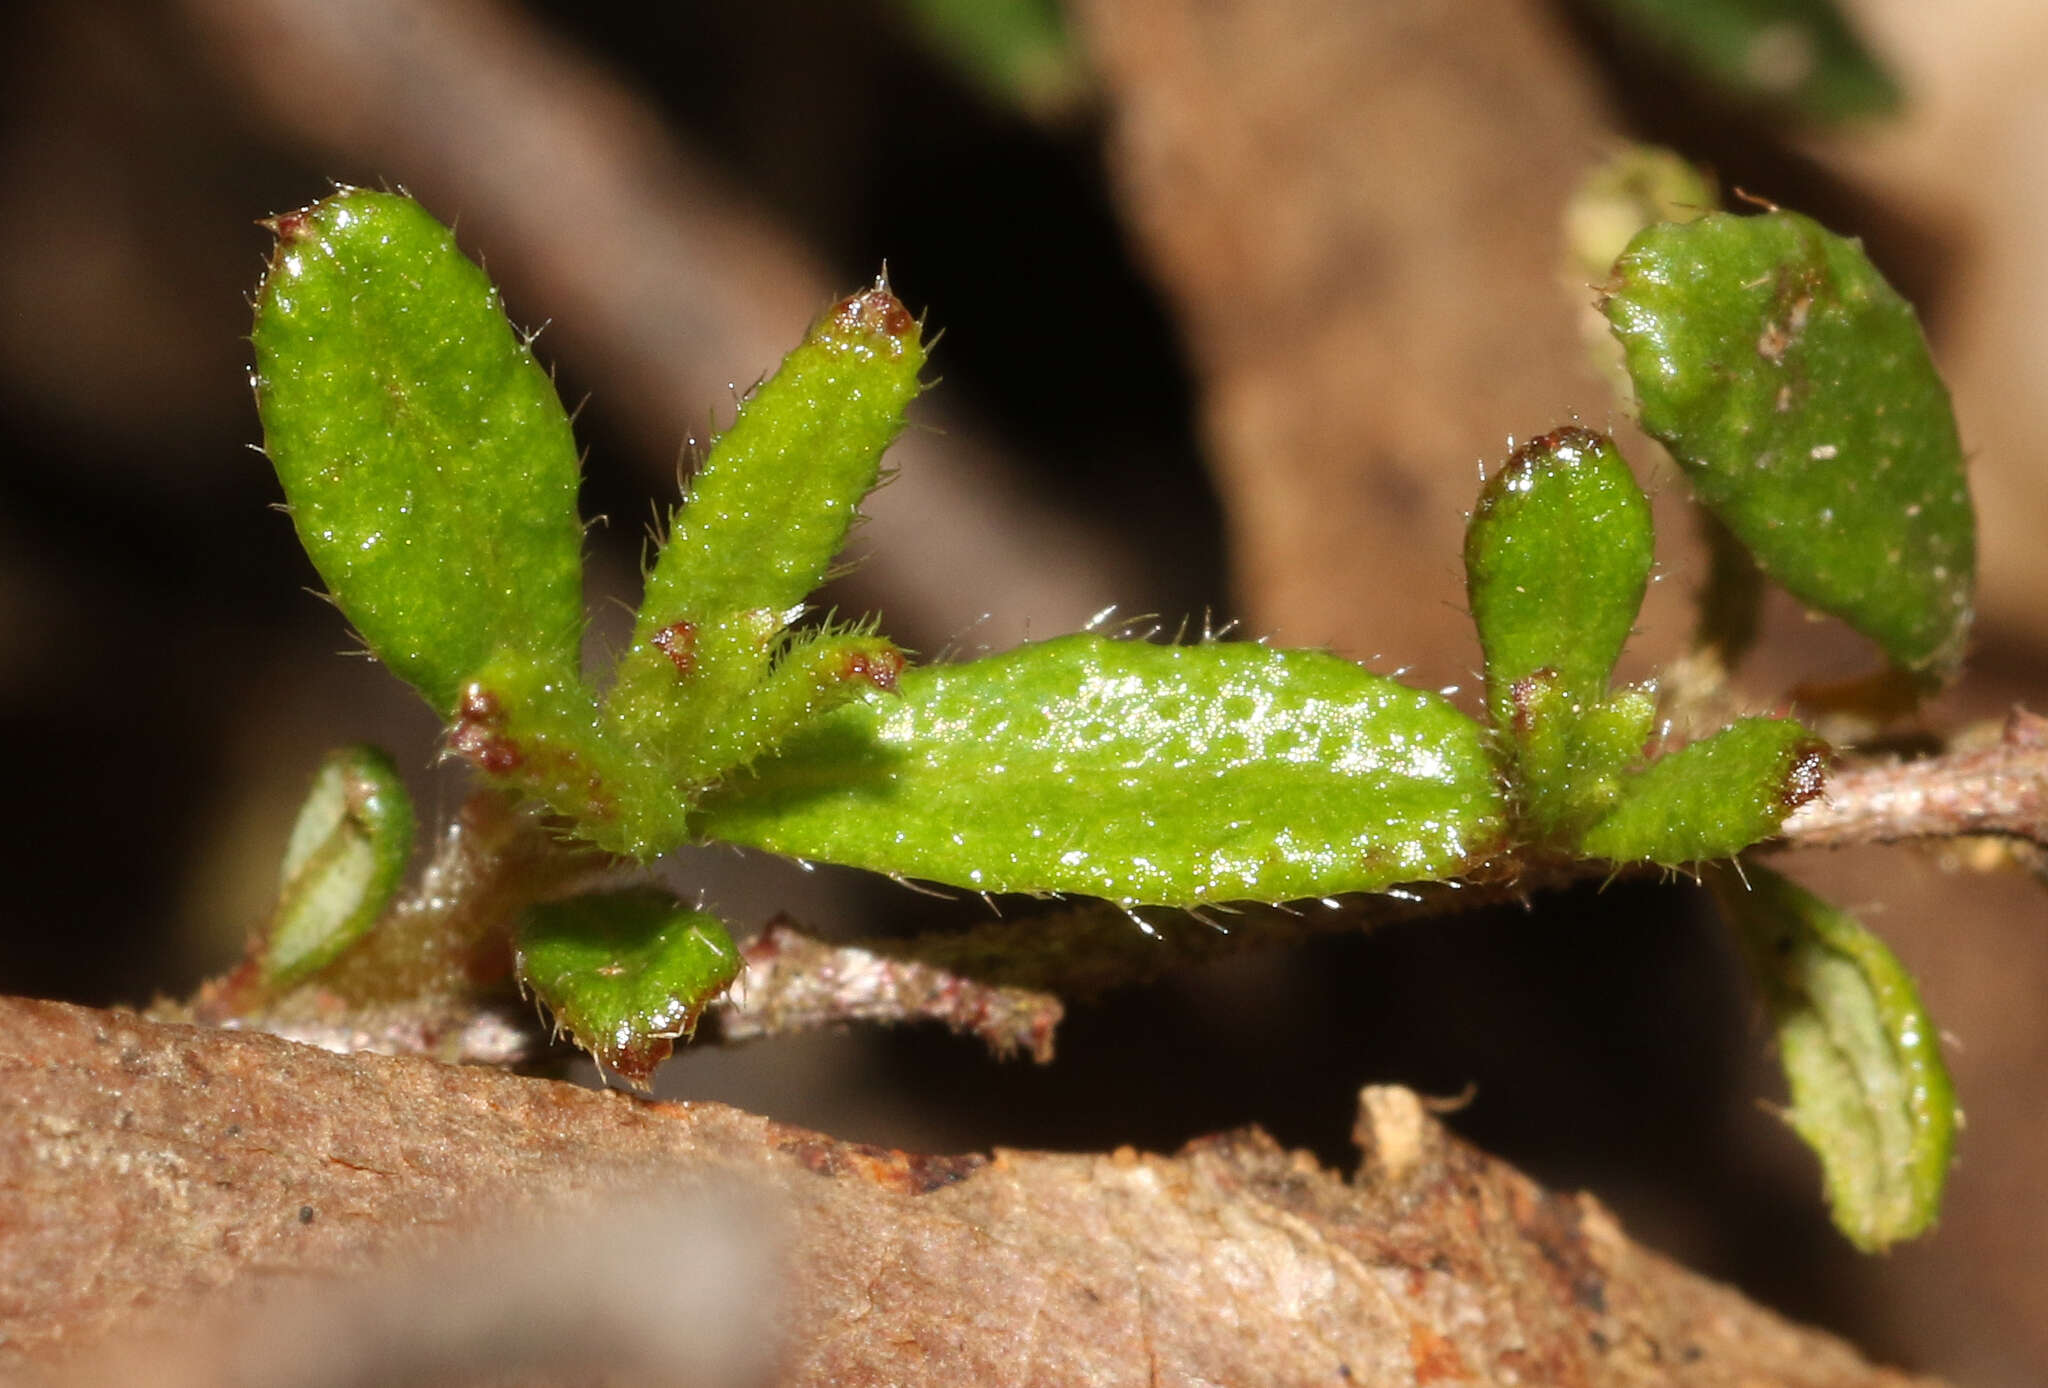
point(427, 463)
point(1794, 387)
point(1145, 774)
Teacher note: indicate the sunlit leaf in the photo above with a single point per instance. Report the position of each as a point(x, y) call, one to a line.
point(1140, 773)
point(426, 461)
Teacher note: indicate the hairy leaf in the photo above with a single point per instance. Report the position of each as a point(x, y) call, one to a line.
point(1141, 773)
point(347, 851)
point(427, 463)
point(1714, 798)
point(1870, 1093)
point(625, 973)
point(1801, 55)
point(1795, 389)
point(1571, 758)
point(770, 507)
point(1557, 558)
point(765, 516)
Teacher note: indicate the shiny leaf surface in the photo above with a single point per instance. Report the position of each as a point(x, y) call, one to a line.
point(625, 973)
point(1795, 389)
point(1140, 773)
point(426, 461)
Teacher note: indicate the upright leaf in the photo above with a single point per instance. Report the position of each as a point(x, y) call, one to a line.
point(1141, 773)
point(1557, 558)
point(425, 458)
point(1870, 1093)
point(347, 851)
point(769, 509)
point(765, 516)
point(1794, 387)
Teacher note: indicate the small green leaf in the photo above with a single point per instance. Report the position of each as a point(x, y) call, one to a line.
point(1145, 774)
point(1799, 55)
point(1870, 1094)
point(770, 508)
point(1557, 558)
point(709, 680)
point(1795, 389)
point(626, 973)
point(1571, 758)
point(427, 463)
point(1714, 798)
point(1016, 50)
point(347, 851)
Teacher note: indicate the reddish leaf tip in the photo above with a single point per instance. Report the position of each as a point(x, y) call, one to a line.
point(1806, 773)
point(873, 313)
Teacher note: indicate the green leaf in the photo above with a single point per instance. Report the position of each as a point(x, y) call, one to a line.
point(770, 508)
point(1795, 389)
point(709, 681)
point(347, 851)
point(1016, 50)
point(1557, 558)
point(1870, 1094)
point(1714, 798)
point(626, 973)
point(1800, 55)
point(1145, 774)
point(1571, 758)
point(425, 459)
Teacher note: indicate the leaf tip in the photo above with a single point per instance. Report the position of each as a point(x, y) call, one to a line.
point(1806, 773)
point(878, 665)
point(873, 318)
point(289, 227)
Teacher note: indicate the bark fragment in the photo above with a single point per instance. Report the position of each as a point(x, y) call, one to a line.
point(167, 1170)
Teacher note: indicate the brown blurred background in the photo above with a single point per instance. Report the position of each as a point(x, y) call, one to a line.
point(1235, 296)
